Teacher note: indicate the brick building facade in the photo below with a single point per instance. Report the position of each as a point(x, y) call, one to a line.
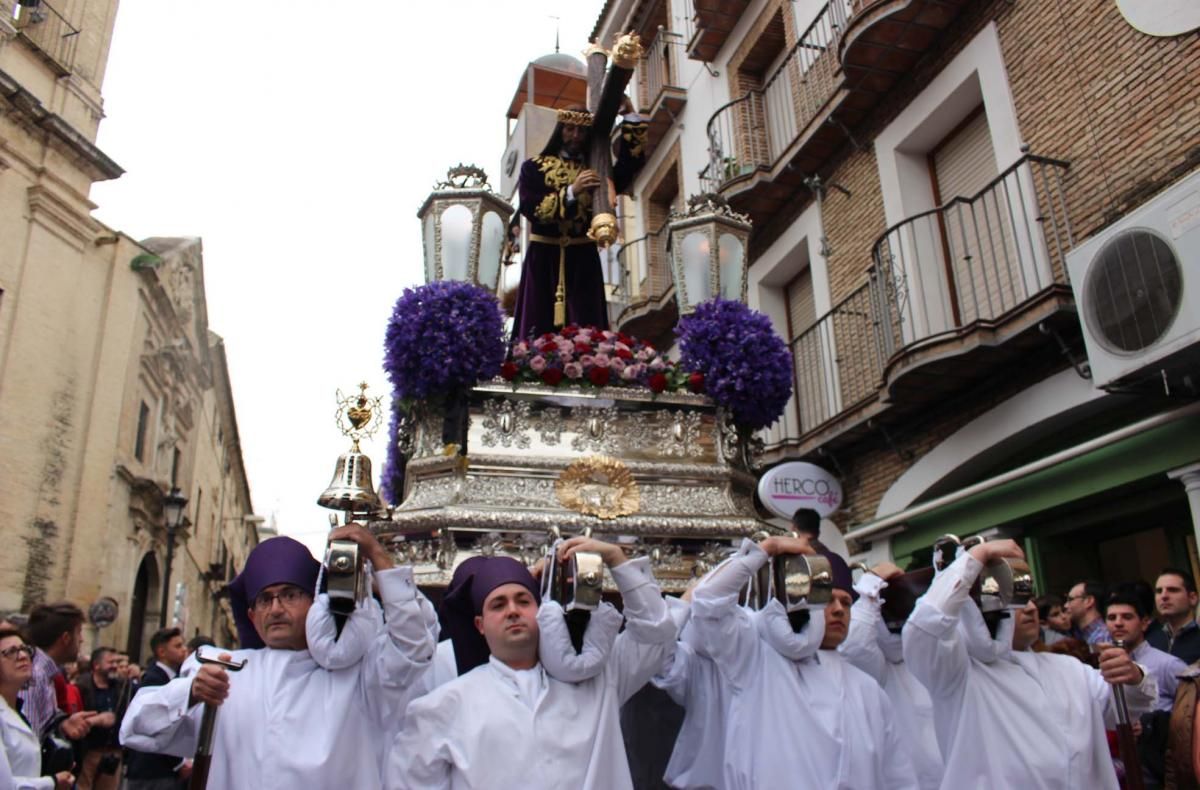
point(918, 175)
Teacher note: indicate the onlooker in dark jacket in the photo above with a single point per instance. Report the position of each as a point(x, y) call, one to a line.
point(147, 771)
point(1176, 631)
point(105, 692)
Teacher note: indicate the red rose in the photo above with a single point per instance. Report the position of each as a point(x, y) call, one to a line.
point(547, 336)
point(624, 338)
point(657, 382)
point(552, 376)
point(570, 330)
point(696, 382)
point(582, 347)
point(599, 376)
point(624, 353)
point(508, 371)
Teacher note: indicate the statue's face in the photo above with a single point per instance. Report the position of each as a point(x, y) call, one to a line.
point(574, 138)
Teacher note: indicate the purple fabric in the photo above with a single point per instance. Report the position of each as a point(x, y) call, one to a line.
point(533, 314)
point(470, 586)
point(842, 580)
point(274, 561)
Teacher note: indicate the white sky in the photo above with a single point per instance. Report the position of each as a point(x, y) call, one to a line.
point(298, 139)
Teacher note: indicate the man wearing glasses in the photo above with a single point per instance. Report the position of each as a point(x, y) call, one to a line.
point(1083, 605)
point(286, 721)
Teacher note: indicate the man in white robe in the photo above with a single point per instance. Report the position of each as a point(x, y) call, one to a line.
point(800, 715)
point(1006, 717)
point(506, 723)
point(876, 650)
point(286, 722)
point(693, 682)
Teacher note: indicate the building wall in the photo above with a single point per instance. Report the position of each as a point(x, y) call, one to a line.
point(93, 324)
point(1071, 81)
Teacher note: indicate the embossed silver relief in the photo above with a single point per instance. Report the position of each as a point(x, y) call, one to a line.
point(678, 433)
point(511, 492)
point(596, 430)
point(504, 423)
point(549, 424)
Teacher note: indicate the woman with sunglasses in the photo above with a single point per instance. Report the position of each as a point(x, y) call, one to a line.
point(21, 754)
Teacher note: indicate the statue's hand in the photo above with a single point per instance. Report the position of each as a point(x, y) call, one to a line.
point(586, 180)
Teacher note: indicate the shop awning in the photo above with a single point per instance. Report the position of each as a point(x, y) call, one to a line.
point(1155, 445)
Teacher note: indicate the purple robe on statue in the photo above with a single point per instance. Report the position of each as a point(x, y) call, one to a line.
point(546, 205)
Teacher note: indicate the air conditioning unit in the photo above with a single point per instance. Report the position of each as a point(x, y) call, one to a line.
point(1137, 287)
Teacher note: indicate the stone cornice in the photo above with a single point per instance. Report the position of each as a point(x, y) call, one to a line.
point(95, 162)
point(61, 217)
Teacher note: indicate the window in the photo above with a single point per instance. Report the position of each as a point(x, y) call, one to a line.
point(139, 443)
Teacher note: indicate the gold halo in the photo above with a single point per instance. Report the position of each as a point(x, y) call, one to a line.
point(598, 486)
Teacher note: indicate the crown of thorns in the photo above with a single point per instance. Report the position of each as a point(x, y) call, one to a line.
point(574, 118)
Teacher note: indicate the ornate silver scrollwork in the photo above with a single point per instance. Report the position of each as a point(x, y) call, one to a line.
point(504, 423)
point(549, 424)
point(679, 433)
point(596, 430)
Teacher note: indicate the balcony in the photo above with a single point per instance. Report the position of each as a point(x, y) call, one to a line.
point(713, 21)
point(954, 294)
point(662, 96)
point(41, 26)
point(764, 143)
point(649, 302)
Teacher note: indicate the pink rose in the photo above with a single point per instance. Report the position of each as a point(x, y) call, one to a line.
point(630, 373)
point(657, 364)
point(565, 346)
point(605, 348)
point(617, 364)
point(537, 364)
point(520, 350)
point(608, 334)
point(587, 360)
point(574, 370)
point(645, 354)
point(601, 360)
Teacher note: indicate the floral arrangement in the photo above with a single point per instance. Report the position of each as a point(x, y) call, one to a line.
point(594, 357)
point(747, 368)
point(441, 339)
point(391, 479)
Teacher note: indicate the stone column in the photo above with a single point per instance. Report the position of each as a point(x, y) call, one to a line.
point(1190, 477)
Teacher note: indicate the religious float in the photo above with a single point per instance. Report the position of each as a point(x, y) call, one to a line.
point(497, 447)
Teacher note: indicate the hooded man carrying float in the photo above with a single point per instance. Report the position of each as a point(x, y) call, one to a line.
point(506, 721)
point(1005, 716)
point(287, 721)
point(799, 714)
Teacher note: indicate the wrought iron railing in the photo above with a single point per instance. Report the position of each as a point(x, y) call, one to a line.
point(646, 254)
point(754, 130)
point(975, 258)
point(838, 360)
point(661, 64)
point(48, 30)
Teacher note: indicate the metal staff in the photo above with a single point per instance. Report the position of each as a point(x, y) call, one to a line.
point(208, 726)
point(1126, 740)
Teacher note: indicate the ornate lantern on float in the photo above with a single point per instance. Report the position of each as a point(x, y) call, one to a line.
point(464, 224)
point(708, 252)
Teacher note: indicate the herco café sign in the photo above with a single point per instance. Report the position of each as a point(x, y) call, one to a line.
point(786, 488)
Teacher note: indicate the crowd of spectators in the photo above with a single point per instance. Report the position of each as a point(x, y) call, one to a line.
point(60, 710)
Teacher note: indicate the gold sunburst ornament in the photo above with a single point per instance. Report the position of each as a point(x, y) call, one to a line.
point(598, 486)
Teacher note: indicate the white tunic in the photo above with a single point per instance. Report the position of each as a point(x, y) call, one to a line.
point(694, 683)
point(289, 723)
point(799, 718)
point(875, 650)
point(20, 754)
point(477, 732)
point(1009, 719)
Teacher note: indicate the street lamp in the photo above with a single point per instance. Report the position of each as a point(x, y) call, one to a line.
point(173, 505)
point(463, 224)
point(708, 252)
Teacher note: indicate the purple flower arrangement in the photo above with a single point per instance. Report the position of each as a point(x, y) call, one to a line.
point(747, 368)
point(392, 477)
point(441, 339)
point(593, 357)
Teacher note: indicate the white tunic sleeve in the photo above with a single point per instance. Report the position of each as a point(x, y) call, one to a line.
point(402, 654)
point(861, 646)
point(159, 720)
point(933, 650)
point(726, 631)
point(420, 757)
point(650, 633)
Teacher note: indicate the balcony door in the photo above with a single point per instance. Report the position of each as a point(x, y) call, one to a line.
point(975, 224)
